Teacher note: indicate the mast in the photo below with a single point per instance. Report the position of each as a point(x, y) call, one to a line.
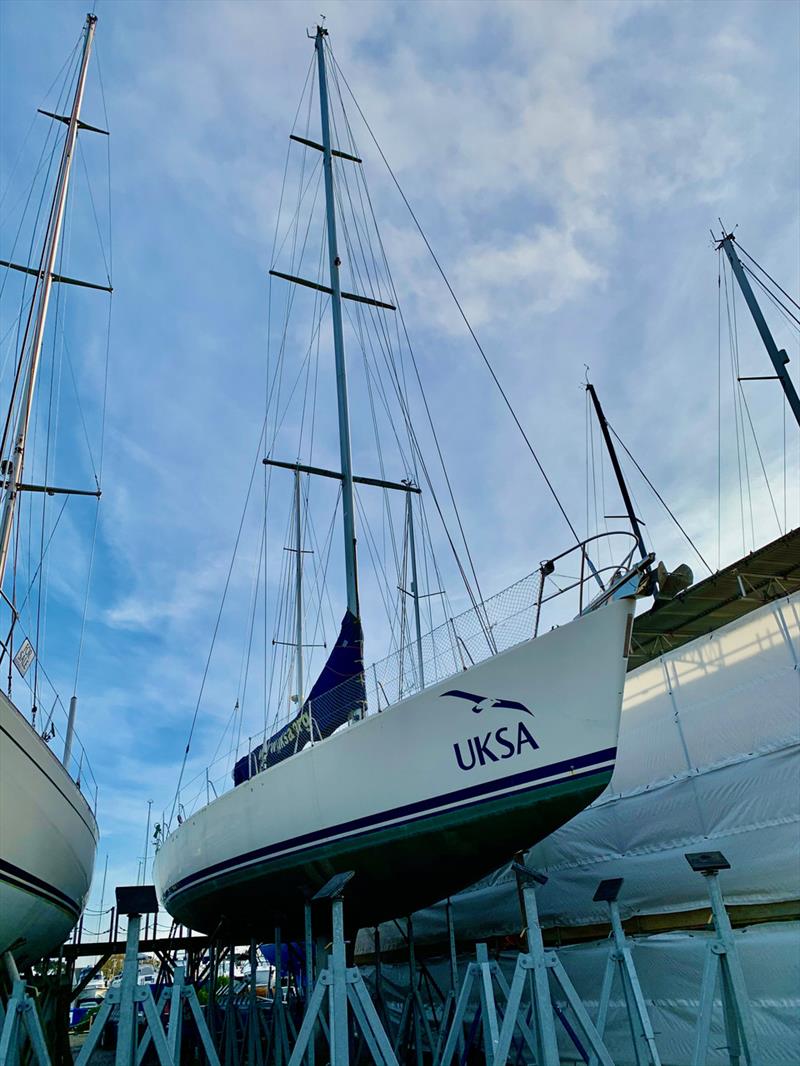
point(298, 590)
point(778, 356)
point(415, 587)
point(50, 251)
point(348, 502)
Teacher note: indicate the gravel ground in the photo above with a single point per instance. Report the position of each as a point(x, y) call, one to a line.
point(99, 1058)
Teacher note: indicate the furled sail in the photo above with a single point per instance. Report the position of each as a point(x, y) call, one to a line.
point(339, 691)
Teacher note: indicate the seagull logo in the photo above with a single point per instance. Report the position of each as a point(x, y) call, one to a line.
point(485, 703)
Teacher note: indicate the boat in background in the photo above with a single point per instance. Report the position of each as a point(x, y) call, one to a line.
point(48, 831)
point(483, 753)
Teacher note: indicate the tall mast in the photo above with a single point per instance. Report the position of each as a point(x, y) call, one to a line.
point(415, 588)
point(348, 503)
point(51, 243)
point(298, 589)
point(778, 356)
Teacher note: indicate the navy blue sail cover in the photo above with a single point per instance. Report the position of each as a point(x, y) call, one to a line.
point(339, 690)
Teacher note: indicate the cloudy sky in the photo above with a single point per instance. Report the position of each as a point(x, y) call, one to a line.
point(566, 161)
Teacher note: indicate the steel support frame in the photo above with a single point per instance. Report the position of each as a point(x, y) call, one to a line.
point(620, 961)
point(344, 989)
point(20, 1022)
point(130, 997)
point(722, 960)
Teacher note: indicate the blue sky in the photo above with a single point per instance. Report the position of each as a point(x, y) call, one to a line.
point(566, 161)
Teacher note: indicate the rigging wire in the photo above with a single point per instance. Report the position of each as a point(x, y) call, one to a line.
point(769, 276)
point(401, 395)
point(459, 307)
point(71, 58)
point(788, 315)
point(660, 498)
point(256, 462)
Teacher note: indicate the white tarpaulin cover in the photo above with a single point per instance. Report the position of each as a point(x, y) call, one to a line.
point(670, 967)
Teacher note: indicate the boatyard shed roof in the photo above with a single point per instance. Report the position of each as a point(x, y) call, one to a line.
point(767, 574)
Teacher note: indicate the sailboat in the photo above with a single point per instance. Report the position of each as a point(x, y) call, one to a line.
point(48, 831)
point(493, 743)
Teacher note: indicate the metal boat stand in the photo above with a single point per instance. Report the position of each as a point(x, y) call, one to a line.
point(20, 1023)
point(722, 961)
point(315, 955)
point(380, 998)
point(281, 1024)
point(345, 990)
point(230, 1019)
point(620, 961)
point(488, 976)
point(534, 969)
point(253, 1042)
point(132, 997)
point(449, 1005)
point(414, 1020)
point(180, 995)
point(539, 965)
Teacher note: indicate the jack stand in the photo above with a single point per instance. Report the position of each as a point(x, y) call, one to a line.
point(722, 960)
point(449, 1005)
point(342, 986)
point(21, 1020)
point(252, 1036)
point(413, 1012)
point(281, 1022)
point(620, 960)
point(380, 999)
point(487, 974)
point(230, 1025)
point(179, 994)
point(540, 964)
point(132, 997)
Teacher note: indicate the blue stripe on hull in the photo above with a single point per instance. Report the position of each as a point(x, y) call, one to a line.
point(28, 882)
point(462, 798)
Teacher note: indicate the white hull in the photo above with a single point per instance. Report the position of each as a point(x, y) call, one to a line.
point(427, 783)
point(48, 840)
